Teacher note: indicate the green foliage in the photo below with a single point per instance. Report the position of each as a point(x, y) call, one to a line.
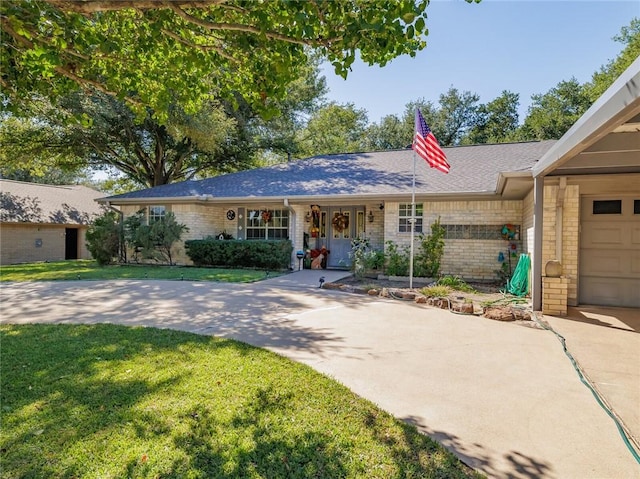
point(153, 241)
point(82, 130)
point(182, 52)
point(456, 283)
point(438, 291)
point(334, 129)
point(397, 260)
point(132, 226)
point(602, 79)
point(496, 122)
point(551, 114)
point(104, 237)
point(363, 258)
point(430, 252)
point(239, 253)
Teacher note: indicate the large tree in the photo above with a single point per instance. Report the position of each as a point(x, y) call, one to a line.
point(496, 121)
point(630, 37)
point(552, 113)
point(153, 53)
point(96, 130)
point(334, 128)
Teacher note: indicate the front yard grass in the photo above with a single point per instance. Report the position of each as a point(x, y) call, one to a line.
point(111, 401)
point(86, 269)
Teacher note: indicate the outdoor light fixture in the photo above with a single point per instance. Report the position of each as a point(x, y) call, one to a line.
point(370, 216)
point(381, 206)
point(307, 218)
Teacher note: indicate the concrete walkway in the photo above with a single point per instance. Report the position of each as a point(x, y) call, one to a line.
point(502, 396)
point(605, 342)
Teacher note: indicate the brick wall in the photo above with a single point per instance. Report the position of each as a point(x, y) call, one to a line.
point(18, 243)
point(554, 296)
point(570, 233)
point(469, 258)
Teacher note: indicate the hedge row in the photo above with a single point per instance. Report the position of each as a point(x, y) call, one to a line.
point(239, 253)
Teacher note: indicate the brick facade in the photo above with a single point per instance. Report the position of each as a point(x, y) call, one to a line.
point(472, 259)
point(18, 242)
point(554, 296)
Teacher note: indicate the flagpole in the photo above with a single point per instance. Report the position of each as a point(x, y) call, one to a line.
point(413, 220)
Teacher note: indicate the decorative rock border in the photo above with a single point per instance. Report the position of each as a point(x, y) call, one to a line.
point(457, 305)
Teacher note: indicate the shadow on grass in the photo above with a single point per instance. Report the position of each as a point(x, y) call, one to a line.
point(72, 406)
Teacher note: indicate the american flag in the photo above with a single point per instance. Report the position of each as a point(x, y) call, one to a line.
point(427, 147)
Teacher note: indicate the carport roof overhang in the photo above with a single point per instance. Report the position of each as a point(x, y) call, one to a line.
point(606, 139)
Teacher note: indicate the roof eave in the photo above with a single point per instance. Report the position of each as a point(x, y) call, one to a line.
point(619, 103)
point(204, 199)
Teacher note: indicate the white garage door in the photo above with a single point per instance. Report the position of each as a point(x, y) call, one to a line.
point(610, 251)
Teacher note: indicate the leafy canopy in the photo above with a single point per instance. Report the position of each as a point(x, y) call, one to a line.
point(154, 53)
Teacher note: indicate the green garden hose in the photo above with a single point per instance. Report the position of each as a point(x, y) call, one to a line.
point(519, 283)
point(583, 379)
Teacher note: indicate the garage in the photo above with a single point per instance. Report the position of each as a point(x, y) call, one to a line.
point(610, 251)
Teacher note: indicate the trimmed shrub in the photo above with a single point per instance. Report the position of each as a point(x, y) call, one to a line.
point(103, 238)
point(240, 253)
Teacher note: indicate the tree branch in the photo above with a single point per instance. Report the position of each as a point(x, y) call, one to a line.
point(93, 6)
point(241, 28)
point(190, 44)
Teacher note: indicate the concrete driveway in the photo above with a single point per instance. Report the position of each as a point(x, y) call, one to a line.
point(502, 396)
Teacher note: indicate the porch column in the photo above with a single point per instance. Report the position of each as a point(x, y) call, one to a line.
point(536, 270)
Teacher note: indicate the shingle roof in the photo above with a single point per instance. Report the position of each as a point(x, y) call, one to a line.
point(474, 169)
point(22, 202)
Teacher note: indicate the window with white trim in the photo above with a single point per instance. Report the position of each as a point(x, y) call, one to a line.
point(404, 217)
point(156, 213)
point(277, 226)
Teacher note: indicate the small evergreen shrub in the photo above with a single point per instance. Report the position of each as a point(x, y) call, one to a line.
point(427, 260)
point(103, 238)
point(240, 253)
point(397, 260)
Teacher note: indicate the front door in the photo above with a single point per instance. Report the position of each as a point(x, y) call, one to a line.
point(341, 227)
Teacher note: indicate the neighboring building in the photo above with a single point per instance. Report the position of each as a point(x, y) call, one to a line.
point(45, 222)
point(483, 192)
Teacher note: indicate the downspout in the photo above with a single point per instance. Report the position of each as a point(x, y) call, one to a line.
point(292, 227)
point(559, 213)
point(536, 283)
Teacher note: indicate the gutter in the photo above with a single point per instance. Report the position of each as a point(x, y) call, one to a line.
point(328, 199)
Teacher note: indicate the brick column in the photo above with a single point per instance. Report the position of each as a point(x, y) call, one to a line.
point(554, 296)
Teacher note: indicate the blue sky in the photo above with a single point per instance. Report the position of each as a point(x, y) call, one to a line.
point(526, 47)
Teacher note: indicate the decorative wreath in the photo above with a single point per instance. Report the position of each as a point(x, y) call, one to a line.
point(266, 216)
point(340, 222)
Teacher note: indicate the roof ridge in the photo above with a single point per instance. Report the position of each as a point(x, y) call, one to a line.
point(42, 185)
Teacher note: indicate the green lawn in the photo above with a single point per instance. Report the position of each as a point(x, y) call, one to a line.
point(108, 401)
point(82, 269)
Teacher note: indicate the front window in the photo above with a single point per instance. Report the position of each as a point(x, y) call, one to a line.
point(156, 213)
point(404, 217)
point(267, 224)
